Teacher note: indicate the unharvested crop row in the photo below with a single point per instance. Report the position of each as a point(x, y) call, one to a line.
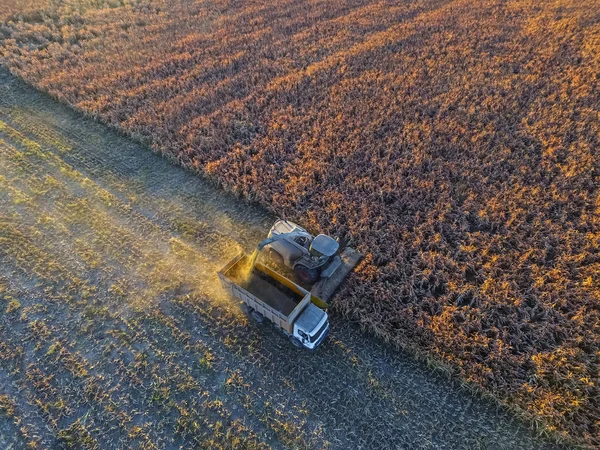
point(454, 142)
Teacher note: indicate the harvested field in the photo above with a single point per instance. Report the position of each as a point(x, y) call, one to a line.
point(454, 142)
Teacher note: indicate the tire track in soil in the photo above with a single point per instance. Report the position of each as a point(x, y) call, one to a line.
point(116, 223)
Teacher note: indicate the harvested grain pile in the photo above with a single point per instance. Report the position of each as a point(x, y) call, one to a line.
point(454, 142)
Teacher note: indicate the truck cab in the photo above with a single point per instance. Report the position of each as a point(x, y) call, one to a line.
point(311, 327)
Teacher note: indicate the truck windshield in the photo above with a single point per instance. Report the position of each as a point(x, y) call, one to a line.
point(316, 336)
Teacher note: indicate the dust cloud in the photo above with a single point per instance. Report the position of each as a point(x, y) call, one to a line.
point(135, 238)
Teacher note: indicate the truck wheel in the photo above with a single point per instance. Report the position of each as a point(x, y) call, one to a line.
point(257, 317)
point(296, 342)
point(306, 275)
point(245, 308)
point(276, 257)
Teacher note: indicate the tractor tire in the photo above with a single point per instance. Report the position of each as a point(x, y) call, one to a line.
point(276, 257)
point(257, 317)
point(296, 342)
point(306, 275)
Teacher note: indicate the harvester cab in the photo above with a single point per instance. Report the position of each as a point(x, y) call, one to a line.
point(310, 257)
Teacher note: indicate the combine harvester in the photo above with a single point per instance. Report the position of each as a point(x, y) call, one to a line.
point(292, 284)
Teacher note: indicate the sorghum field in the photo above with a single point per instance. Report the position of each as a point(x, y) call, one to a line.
point(114, 333)
point(453, 142)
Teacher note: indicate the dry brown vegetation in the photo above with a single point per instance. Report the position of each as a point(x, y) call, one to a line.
point(454, 142)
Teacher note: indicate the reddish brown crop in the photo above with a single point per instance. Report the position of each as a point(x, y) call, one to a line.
point(454, 142)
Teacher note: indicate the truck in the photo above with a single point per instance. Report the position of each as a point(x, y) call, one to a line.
point(266, 295)
point(273, 289)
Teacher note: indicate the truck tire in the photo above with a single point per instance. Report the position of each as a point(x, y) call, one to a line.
point(296, 342)
point(306, 275)
point(276, 257)
point(245, 309)
point(257, 317)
